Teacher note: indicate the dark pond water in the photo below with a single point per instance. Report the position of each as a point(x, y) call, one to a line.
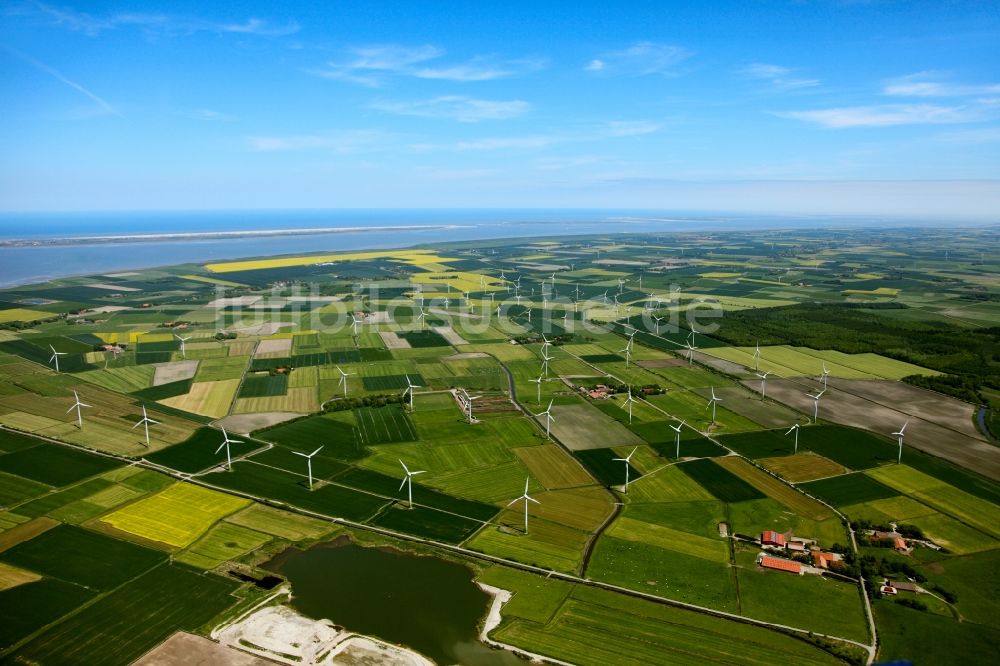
point(424, 603)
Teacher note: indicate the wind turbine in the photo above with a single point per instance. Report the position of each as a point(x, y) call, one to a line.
point(182, 341)
point(309, 462)
point(712, 402)
point(77, 405)
point(538, 391)
point(526, 500)
point(343, 379)
point(657, 320)
point(409, 389)
point(548, 418)
point(899, 436)
point(408, 481)
point(354, 323)
point(824, 375)
point(226, 442)
point(626, 460)
point(756, 358)
point(795, 428)
point(628, 354)
point(816, 404)
point(628, 401)
point(145, 420)
point(691, 349)
point(55, 356)
point(545, 363)
point(421, 316)
point(677, 429)
point(763, 384)
point(468, 402)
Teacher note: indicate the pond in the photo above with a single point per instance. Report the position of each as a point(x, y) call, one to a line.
point(424, 603)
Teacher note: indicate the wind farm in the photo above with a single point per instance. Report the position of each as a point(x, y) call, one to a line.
point(623, 424)
point(423, 335)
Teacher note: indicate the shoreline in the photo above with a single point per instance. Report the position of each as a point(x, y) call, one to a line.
point(216, 235)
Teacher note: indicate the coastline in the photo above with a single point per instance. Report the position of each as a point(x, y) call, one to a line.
point(215, 235)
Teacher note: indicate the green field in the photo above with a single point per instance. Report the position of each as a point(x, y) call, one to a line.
point(854, 449)
point(384, 425)
point(27, 608)
point(98, 562)
point(848, 489)
point(55, 465)
point(167, 598)
point(594, 627)
point(198, 452)
point(223, 542)
point(719, 481)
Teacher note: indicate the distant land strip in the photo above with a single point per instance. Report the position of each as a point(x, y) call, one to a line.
point(203, 235)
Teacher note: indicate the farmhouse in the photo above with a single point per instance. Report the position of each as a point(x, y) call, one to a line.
point(772, 538)
point(823, 560)
point(768, 562)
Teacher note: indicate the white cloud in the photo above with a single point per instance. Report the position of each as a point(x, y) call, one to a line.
point(346, 142)
point(640, 59)
point(457, 107)
point(209, 114)
point(93, 26)
point(931, 84)
point(103, 105)
point(888, 115)
point(631, 127)
point(505, 143)
point(778, 76)
point(370, 65)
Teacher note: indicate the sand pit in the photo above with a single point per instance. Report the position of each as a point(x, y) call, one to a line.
point(449, 334)
point(183, 649)
point(281, 347)
point(112, 287)
point(282, 635)
point(393, 341)
point(233, 302)
point(176, 371)
point(244, 424)
point(662, 363)
point(270, 328)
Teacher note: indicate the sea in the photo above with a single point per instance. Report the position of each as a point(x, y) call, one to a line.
point(369, 229)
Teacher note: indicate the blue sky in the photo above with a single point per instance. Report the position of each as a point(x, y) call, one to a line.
point(784, 107)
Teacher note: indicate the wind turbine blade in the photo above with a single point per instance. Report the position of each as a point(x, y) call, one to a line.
point(904, 427)
point(403, 483)
point(71, 408)
point(526, 487)
point(422, 471)
point(316, 451)
point(133, 427)
point(405, 468)
point(220, 447)
point(790, 430)
point(152, 422)
point(532, 499)
point(298, 453)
